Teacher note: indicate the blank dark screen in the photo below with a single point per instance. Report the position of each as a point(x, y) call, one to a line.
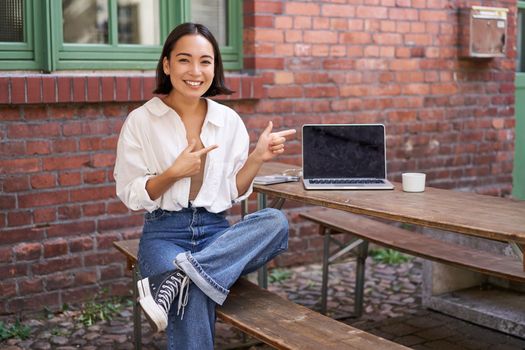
point(343, 151)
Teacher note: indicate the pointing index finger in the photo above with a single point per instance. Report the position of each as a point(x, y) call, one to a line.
point(285, 132)
point(206, 150)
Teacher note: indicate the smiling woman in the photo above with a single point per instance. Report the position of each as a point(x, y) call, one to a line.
point(185, 159)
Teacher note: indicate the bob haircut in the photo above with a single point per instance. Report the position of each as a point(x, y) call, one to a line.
point(218, 86)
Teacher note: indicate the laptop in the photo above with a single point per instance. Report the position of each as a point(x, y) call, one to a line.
point(344, 157)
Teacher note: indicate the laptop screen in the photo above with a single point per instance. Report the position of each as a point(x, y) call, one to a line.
point(344, 151)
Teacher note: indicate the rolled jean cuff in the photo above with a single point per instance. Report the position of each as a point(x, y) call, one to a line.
point(194, 271)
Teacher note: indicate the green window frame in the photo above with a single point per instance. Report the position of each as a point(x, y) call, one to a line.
point(43, 47)
point(28, 53)
point(518, 175)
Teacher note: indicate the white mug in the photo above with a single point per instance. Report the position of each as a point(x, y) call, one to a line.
point(413, 182)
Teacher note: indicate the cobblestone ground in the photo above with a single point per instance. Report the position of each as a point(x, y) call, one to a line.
point(392, 309)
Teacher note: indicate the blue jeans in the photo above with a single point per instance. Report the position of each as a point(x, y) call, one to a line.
point(213, 255)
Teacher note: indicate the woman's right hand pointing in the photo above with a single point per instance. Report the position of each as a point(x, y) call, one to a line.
point(189, 162)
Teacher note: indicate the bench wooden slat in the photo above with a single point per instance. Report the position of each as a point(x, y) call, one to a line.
point(130, 249)
point(279, 322)
point(285, 325)
point(417, 244)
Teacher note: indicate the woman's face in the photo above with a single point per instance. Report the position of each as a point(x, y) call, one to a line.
point(190, 66)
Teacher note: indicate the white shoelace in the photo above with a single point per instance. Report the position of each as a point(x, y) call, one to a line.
point(183, 295)
point(180, 284)
point(168, 292)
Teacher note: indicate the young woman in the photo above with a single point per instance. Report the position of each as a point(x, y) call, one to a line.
point(185, 159)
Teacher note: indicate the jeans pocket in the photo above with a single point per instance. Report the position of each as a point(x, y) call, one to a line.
point(154, 215)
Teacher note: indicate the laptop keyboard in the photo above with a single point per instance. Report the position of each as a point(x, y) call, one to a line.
point(347, 181)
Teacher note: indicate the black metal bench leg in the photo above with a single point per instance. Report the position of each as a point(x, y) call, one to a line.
point(362, 254)
point(324, 283)
point(262, 273)
point(137, 325)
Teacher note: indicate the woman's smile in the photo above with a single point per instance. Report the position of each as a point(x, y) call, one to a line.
point(193, 83)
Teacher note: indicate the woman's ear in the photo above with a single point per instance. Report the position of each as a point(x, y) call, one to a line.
point(166, 65)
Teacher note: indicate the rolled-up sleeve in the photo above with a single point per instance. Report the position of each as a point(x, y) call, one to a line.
point(239, 155)
point(131, 173)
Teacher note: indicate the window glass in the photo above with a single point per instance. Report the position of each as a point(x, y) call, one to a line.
point(50, 35)
point(85, 21)
point(138, 22)
point(12, 20)
point(214, 15)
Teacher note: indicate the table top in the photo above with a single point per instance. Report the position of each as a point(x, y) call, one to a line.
point(469, 213)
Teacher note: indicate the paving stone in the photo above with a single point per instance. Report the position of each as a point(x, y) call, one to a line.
point(409, 340)
point(472, 344)
point(118, 330)
point(504, 347)
point(59, 340)
point(514, 341)
point(79, 332)
point(25, 344)
point(41, 345)
point(422, 347)
point(399, 329)
point(79, 342)
point(45, 334)
point(436, 333)
point(443, 344)
point(91, 336)
point(425, 322)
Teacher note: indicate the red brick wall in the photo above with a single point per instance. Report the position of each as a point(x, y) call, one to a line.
point(393, 62)
point(388, 61)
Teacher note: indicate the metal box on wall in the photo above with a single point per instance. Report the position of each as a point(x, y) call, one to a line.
point(483, 31)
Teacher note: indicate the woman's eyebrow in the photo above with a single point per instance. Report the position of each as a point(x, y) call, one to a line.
point(189, 55)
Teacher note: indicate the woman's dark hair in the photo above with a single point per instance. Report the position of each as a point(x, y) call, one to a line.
point(218, 86)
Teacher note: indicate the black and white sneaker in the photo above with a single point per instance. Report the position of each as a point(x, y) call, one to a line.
point(156, 294)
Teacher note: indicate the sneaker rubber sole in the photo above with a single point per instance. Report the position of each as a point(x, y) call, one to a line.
point(155, 315)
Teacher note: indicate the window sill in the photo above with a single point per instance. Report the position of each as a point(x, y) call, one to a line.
point(95, 88)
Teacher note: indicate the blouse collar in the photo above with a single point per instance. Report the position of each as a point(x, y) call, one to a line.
point(158, 108)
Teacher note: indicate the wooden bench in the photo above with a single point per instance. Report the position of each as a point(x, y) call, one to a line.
point(275, 321)
point(332, 221)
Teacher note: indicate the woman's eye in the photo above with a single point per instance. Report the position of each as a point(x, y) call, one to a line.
point(206, 62)
point(184, 60)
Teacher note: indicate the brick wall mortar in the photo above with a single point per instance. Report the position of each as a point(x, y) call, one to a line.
point(391, 62)
point(98, 87)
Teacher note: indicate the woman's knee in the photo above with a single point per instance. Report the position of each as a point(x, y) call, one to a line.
point(278, 220)
point(276, 216)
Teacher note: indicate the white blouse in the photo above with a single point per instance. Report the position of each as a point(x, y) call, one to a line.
point(153, 136)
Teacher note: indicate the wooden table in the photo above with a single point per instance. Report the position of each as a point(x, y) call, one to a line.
point(468, 213)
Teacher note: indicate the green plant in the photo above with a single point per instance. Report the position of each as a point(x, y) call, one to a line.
point(279, 275)
point(127, 302)
point(100, 310)
point(47, 313)
point(389, 256)
point(65, 307)
point(16, 330)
